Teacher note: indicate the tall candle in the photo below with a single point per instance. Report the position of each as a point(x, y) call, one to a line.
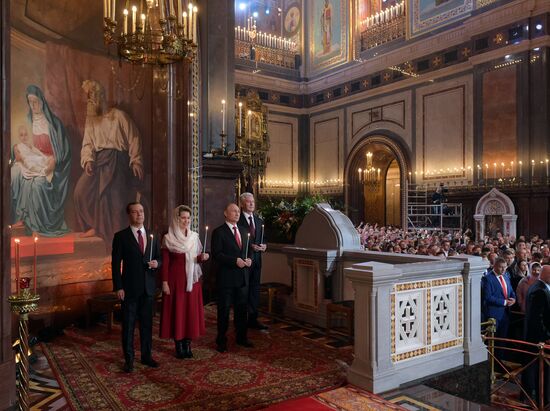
point(34, 264)
point(262, 237)
point(17, 265)
point(134, 18)
point(105, 9)
point(185, 34)
point(546, 168)
point(532, 168)
point(240, 117)
point(486, 171)
point(125, 13)
point(190, 14)
point(162, 13)
point(495, 171)
point(478, 171)
point(223, 116)
point(512, 169)
point(113, 11)
point(195, 38)
point(502, 165)
point(246, 249)
point(205, 237)
point(172, 10)
point(143, 22)
point(151, 248)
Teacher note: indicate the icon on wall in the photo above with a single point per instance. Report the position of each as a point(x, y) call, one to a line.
point(292, 21)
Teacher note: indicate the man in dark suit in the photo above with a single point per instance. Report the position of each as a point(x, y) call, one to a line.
point(253, 225)
point(497, 297)
point(140, 256)
point(537, 330)
point(229, 251)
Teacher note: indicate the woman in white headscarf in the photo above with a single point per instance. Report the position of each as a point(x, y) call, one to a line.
point(182, 317)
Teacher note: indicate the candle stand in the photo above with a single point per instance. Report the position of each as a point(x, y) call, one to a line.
point(22, 304)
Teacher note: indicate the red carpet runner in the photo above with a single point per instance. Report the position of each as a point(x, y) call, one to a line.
point(281, 366)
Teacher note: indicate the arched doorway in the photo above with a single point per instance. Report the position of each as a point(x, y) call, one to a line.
point(377, 195)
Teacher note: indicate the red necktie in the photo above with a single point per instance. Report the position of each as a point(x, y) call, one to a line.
point(251, 227)
point(140, 242)
point(237, 236)
point(503, 284)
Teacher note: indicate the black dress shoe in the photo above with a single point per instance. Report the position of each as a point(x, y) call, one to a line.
point(257, 326)
point(150, 363)
point(221, 347)
point(245, 343)
point(128, 367)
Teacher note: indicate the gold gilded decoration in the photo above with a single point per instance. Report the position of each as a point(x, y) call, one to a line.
point(376, 35)
point(466, 52)
point(387, 76)
point(230, 377)
point(436, 61)
point(392, 323)
point(499, 38)
point(428, 285)
point(252, 142)
point(365, 83)
point(429, 316)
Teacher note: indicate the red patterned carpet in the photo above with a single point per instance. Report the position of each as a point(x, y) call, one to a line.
point(281, 366)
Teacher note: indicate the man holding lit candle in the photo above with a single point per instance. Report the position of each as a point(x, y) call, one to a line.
point(255, 226)
point(230, 255)
point(135, 284)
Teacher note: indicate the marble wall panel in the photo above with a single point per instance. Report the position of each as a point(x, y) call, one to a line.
point(327, 154)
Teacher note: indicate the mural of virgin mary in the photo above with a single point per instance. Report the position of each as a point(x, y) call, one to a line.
point(38, 201)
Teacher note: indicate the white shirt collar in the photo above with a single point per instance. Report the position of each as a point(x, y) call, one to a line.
point(248, 215)
point(135, 230)
point(230, 225)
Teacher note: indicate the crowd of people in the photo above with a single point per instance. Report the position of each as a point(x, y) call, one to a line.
point(515, 287)
point(138, 257)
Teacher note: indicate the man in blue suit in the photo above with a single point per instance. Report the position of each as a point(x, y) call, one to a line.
point(497, 297)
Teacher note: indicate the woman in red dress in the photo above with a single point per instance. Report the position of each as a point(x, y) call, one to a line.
point(182, 317)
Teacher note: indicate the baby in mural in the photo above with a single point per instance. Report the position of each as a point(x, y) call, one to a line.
point(31, 161)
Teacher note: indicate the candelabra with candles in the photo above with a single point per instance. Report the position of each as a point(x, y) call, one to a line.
point(384, 26)
point(252, 142)
point(23, 302)
point(370, 176)
point(164, 31)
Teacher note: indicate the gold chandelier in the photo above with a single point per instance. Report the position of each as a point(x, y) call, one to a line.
point(370, 176)
point(152, 31)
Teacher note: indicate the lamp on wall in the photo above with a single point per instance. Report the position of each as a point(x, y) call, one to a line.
point(152, 31)
point(370, 176)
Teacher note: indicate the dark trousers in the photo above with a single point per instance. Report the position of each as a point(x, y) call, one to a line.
point(530, 379)
point(140, 308)
point(238, 297)
point(254, 293)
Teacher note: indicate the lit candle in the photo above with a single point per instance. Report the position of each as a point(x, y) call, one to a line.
point(190, 7)
point(113, 11)
point(134, 18)
point(486, 171)
point(512, 169)
point(502, 165)
point(205, 236)
point(34, 264)
point(162, 13)
point(410, 177)
point(246, 249)
point(532, 168)
point(240, 117)
point(546, 168)
point(520, 169)
point(223, 116)
point(360, 174)
point(125, 13)
point(180, 13)
point(17, 264)
point(151, 249)
point(478, 171)
point(143, 22)
point(495, 171)
point(249, 123)
point(105, 9)
point(185, 34)
point(195, 38)
point(262, 237)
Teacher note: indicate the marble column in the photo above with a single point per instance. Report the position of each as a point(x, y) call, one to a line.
point(217, 27)
point(480, 226)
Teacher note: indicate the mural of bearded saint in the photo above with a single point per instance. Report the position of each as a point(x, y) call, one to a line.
point(326, 27)
point(112, 161)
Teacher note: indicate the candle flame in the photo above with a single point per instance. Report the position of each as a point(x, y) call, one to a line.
point(35, 239)
point(17, 240)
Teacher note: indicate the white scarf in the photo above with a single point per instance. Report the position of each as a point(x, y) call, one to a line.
point(177, 242)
